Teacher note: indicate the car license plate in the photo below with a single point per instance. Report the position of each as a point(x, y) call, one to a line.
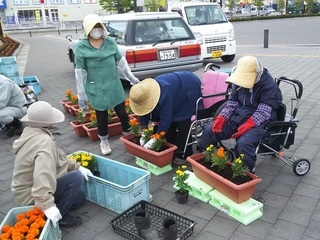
point(216, 54)
point(167, 54)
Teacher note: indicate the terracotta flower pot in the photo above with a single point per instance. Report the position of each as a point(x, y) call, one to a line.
point(79, 130)
point(64, 102)
point(91, 132)
point(159, 159)
point(74, 109)
point(68, 106)
point(237, 193)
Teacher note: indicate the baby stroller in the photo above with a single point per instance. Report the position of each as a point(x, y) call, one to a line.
point(279, 134)
point(215, 92)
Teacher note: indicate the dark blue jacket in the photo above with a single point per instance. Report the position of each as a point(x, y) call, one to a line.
point(179, 92)
point(264, 91)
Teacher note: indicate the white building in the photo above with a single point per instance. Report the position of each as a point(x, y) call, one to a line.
point(19, 11)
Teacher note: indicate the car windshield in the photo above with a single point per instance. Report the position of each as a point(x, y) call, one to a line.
point(202, 15)
point(117, 30)
point(160, 30)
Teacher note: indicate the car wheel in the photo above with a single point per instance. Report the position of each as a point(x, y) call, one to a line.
point(228, 58)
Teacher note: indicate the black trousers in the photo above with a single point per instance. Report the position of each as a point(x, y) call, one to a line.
point(102, 119)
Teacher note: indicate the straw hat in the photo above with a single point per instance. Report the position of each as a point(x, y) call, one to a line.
point(144, 96)
point(42, 114)
point(246, 73)
point(90, 21)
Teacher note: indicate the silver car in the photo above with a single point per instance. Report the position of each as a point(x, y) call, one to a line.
point(152, 42)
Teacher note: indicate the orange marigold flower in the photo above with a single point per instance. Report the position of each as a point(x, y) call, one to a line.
point(24, 229)
point(5, 236)
point(20, 216)
point(93, 116)
point(68, 92)
point(127, 102)
point(162, 133)
point(220, 152)
point(24, 222)
point(33, 218)
point(5, 228)
point(37, 211)
point(34, 231)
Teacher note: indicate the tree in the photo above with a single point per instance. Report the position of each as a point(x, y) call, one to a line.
point(152, 5)
point(231, 5)
point(281, 5)
point(121, 6)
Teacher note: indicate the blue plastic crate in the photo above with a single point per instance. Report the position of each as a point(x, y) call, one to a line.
point(119, 186)
point(34, 83)
point(16, 78)
point(49, 232)
point(8, 66)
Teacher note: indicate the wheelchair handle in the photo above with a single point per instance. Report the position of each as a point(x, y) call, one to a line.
point(295, 83)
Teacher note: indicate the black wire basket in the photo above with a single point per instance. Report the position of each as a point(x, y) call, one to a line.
point(124, 223)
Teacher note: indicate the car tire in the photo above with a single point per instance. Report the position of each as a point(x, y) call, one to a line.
point(228, 58)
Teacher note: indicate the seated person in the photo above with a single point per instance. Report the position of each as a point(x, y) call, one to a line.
point(169, 99)
point(12, 106)
point(254, 100)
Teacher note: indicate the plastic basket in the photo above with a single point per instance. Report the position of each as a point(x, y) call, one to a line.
point(49, 232)
point(119, 186)
point(34, 83)
point(8, 66)
point(124, 223)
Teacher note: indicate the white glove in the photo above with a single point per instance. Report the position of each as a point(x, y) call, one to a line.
point(142, 139)
point(53, 214)
point(83, 106)
point(149, 143)
point(85, 172)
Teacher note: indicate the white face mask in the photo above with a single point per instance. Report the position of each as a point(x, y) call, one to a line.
point(96, 33)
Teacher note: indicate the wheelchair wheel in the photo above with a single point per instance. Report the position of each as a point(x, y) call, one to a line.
point(301, 166)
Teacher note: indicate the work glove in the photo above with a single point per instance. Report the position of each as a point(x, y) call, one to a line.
point(85, 172)
point(53, 214)
point(83, 105)
point(244, 128)
point(218, 123)
point(150, 143)
point(143, 139)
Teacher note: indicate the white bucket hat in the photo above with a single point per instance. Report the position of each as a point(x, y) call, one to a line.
point(41, 114)
point(90, 21)
point(247, 72)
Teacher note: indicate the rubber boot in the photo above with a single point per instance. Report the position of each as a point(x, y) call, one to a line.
point(141, 220)
point(169, 229)
point(150, 234)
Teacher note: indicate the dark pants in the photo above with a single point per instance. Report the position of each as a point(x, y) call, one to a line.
point(102, 119)
point(177, 135)
point(246, 144)
point(69, 194)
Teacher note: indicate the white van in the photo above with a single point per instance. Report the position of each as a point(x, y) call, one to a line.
point(210, 26)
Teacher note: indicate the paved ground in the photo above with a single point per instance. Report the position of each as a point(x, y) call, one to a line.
point(291, 203)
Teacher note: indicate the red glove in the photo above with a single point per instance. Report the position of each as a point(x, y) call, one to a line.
point(217, 124)
point(244, 128)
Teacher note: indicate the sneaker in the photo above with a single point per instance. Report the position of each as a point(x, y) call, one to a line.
point(105, 148)
point(70, 221)
point(15, 130)
point(179, 161)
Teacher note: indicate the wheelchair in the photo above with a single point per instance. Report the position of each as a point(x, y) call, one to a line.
point(215, 92)
point(279, 135)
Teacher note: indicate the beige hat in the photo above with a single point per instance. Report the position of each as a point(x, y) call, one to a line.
point(90, 21)
point(144, 96)
point(42, 114)
point(246, 73)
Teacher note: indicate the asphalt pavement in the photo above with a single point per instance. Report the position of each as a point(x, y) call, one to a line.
point(291, 207)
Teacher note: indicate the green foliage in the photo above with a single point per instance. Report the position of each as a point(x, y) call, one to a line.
point(121, 6)
point(180, 178)
point(152, 5)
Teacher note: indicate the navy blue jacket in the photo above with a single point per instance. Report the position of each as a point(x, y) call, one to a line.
point(179, 92)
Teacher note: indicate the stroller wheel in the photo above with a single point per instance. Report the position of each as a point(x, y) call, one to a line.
point(301, 166)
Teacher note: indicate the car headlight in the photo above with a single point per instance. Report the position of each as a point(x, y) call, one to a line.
point(231, 35)
point(198, 37)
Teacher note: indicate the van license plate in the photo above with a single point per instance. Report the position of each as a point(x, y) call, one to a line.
point(167, 54)
point(216, 54)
